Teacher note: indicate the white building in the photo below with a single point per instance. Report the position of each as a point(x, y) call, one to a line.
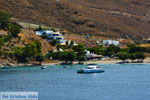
point(74, 43)
point(110, 42)
point(40, 33)
point(92, 56)
point(51, 35)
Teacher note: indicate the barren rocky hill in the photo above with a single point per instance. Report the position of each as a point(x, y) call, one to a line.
point(109, 18)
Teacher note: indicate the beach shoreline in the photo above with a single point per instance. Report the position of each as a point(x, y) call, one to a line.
point(103, 61)
point(118, 61)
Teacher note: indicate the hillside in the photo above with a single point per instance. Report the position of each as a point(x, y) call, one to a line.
point(11, 48)
point(25, 37)
point(107, 18)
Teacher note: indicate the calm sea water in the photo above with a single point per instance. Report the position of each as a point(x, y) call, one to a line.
point(119, 82)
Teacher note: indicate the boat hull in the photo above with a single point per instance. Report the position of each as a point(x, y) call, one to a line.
point(43, 67)
point(5, 68)
point(90, 71)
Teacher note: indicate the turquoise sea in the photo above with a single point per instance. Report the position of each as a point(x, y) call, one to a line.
point(118, 82)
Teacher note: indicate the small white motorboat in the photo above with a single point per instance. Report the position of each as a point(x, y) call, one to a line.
point(91, 68)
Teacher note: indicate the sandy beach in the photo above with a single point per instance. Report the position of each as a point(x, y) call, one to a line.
point(103, 61)
point(115, 61)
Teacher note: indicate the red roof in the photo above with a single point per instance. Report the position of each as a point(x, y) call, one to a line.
point(126, 41)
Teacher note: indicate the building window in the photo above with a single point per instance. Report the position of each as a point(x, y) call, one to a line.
point(55, 34)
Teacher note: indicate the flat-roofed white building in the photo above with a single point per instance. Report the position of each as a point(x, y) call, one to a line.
point(110, 42)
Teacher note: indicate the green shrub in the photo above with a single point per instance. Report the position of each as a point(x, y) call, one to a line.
point(81, 58)
point(53, 42)
point(5, 19)
point(98, 50)
point(132, 56)
point(14, 30)
point(80, 49)
point(133, 48)
point(123, 56)
point(112, 50)
point(39, 58)
point(140, 56)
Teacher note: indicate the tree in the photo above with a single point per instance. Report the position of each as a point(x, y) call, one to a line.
point(59, 46)
point(1, 42)
point(67, 43)
point(147, 49)
point(68, 56)
point(81, 59)
point(4, 39)
point(31, 50)
point(132, 56)
point(123, 56)
point(53, 42)
point(133, 48)
point(71, 44)
point(14, 30)
point(7, 37)
point(39, 58)
point(71, 56)
point(38, 46)
point(112, 50)
point(97, 50)
point(18, 53)
point(5, 19)
point(80, 49)
point(124, 50)
point(38, 29)
point(44, 35)
point(140, 56)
